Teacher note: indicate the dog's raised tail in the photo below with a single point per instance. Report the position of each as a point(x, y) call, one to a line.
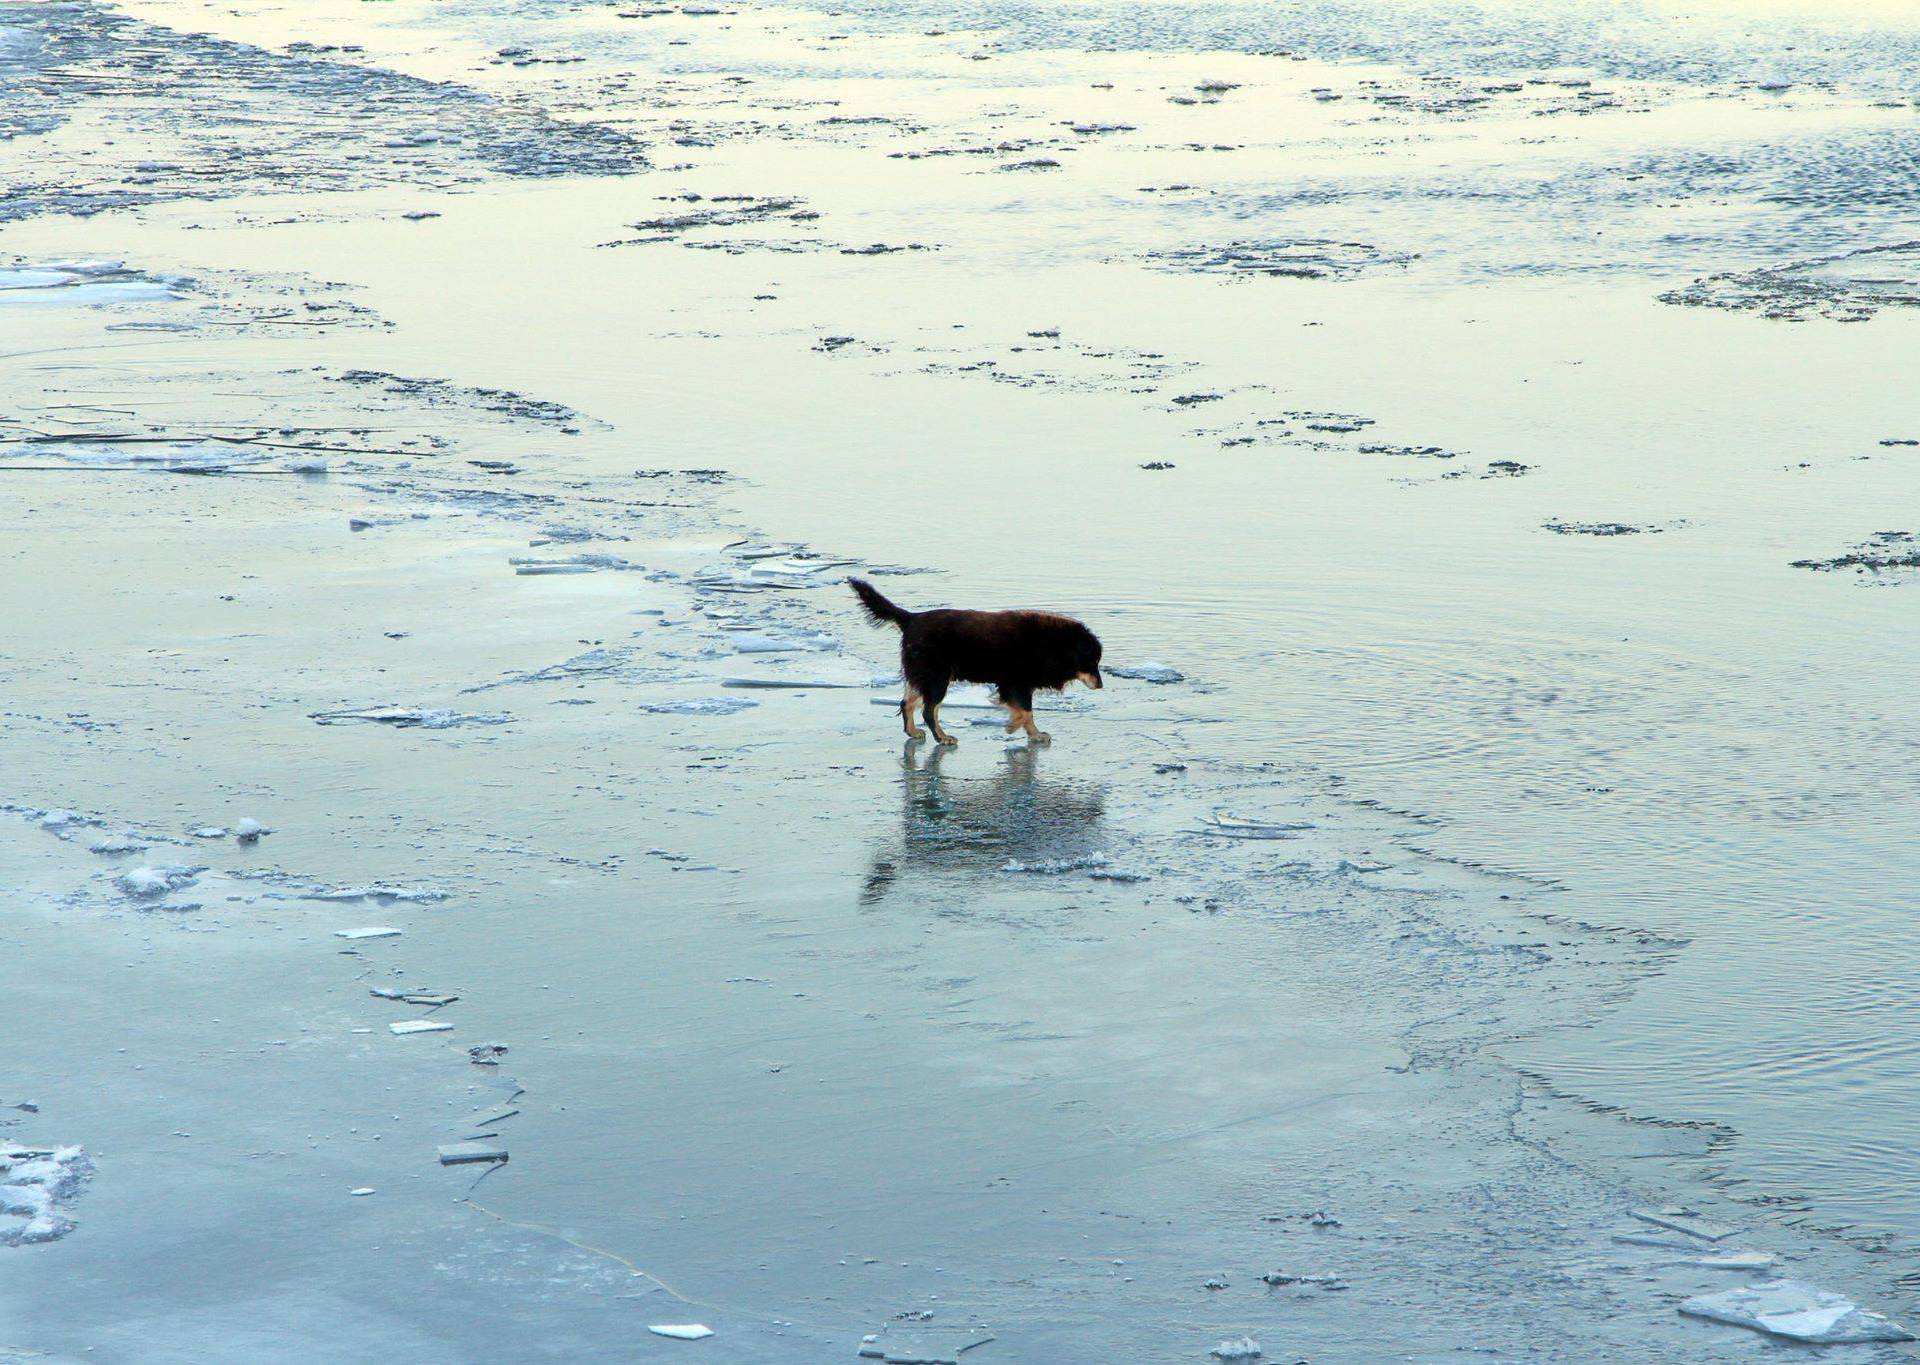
point(878, 607)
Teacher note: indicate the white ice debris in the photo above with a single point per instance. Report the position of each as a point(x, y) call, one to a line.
point(1152, 673)
point(680, 1331)
point(307, 464)
point(376, 892)
point(209, 832)
point(362, 1192)
point(149, 883)
point(117, 843)
point(1053, 867)
point(698, 706)
point(249, 829)
point(36, 1185)
point(1240, 827)
point(411, 717)
point(406, 1026)
point(1798, 1312)
point(371, 931)
point(58, 820)
point(1240, 1348)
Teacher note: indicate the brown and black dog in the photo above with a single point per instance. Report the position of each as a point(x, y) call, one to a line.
point(1018, 652)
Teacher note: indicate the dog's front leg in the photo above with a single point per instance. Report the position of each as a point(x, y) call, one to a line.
point(907, 703)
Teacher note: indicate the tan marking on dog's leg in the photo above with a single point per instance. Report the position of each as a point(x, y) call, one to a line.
point(933, 723)
point(1035, 735)
point(907, 703)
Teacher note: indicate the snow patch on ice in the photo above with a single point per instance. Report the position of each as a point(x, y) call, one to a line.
point(36, 1186)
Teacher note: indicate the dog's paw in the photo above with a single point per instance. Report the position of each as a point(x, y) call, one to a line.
point(949, 742)
point(1042, 737)
point(916, 735)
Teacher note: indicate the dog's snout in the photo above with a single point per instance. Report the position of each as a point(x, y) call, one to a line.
point(1092, 678)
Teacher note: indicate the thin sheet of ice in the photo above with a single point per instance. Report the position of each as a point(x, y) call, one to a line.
point(1240, 827)
point(681, 1331)
point(77, 281)
point(1149, 672)
point(376, 892)
point(698, 706)
point(410, 717)
point(1799, 1312)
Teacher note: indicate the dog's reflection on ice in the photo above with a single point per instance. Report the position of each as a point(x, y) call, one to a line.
point(975, 824)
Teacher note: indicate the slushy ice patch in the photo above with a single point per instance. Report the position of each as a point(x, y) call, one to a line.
point(1846, 288)
point(1305, 259)
point(78, 281)
point(37, 1186)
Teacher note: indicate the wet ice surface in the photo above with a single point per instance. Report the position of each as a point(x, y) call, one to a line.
point(1455, 948)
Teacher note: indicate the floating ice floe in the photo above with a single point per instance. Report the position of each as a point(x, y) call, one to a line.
point(78, 281)
point(1152, 673)
point(1238, 1348)
point(919, 1344)
point(410, 717)
point(583, 563)
point(681, 1331)
point(1239, 827)
point(1850, 287)
point(150, 883)
point(463, 1153)
point(1053, 867)
point(1798, 1312)
point(371, 931)
point(1310, 258)
point(376, 892)
point(160, 457)
point(795, 684)
point(698, 706)
point(1684, 1220)
point(434, 998)
point(754, 642)
point(36, 1186)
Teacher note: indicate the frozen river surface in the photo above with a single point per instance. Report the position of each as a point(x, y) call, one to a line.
point(463, 895)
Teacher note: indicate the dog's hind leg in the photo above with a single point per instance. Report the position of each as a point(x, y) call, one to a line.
point(935, 693)
point(907, 703)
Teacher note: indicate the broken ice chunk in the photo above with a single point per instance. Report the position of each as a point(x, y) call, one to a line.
point(1799, 1312)
point(1240, 1348)
point(698, 706)
point(1739, 1260)
point(148, 883)
point(680, 1331)
point(371, 931)
point(249, 829)
point(117, 843)
point(406, 1026)
point(1239, 827)
point(1152, 673)
point(1683, 1220)
point(460, 1153)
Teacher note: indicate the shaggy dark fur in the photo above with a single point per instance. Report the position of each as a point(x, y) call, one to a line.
point(1018, 652)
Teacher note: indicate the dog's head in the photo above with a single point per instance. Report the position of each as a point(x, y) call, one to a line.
point(1086, 657)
